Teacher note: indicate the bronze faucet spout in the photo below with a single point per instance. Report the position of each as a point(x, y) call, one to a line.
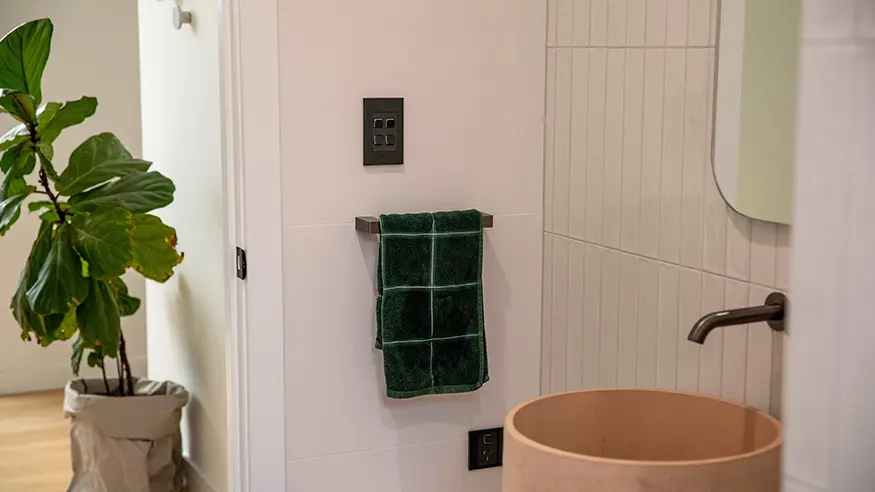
point(772, 312)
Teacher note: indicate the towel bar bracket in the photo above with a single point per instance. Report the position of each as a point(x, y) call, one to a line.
point(371, 225)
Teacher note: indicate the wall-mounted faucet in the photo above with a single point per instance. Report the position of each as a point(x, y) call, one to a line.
point(772, 312)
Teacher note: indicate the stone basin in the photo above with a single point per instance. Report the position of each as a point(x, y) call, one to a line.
point(638, 440)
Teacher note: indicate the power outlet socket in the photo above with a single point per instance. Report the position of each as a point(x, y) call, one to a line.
point(485, 448)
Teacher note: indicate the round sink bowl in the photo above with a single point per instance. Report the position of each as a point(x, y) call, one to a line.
point(637, 440)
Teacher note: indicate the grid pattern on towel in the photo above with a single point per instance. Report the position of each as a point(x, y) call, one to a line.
point(430, 303)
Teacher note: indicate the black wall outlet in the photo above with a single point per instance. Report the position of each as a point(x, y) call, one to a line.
point(383, 131)
point(485, 448)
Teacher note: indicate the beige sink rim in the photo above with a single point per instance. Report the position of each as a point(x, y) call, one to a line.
point(511, 429)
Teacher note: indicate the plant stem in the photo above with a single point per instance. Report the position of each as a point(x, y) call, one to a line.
point(121, 381)
point(105, 381)
point(123, 353)
point(44, 180)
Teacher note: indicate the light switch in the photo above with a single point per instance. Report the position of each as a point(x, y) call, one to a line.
point(383, 131)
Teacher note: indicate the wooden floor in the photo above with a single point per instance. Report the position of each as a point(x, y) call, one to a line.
point(34, 443)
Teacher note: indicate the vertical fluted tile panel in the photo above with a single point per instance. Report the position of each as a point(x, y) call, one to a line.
point(676, 23)
point(612, 191)
point(689, 310)
point(598, 23)
point(609, 322)
point(579, 139)
point(550, 141)
point(581, 22)
point(547, 315)
point(595, 155)
point(617, 23)
point(632, 131)
point(651, 161)
point(565, 23)
point(758, 383)
point(648, 329)
point(574, 337)
point(559, 320)
point(696, 148)
point(656, 12)
point(627, 348)
point(672, 155)
point(735, 345)
point(633, 217)
point(711, 352)
point(592, 316)
point(636, 22)
point(562, 142)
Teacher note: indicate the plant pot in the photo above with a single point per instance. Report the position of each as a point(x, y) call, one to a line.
point(130, 443)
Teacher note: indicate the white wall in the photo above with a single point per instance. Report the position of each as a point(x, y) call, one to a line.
point(182, 135)
point(638, 242)
point(829, 402)
point(94, 53)
point(471, 73)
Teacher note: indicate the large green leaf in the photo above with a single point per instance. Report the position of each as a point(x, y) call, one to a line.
point(95, 359)
point(136, 193)
point(10, 211)
point(99, 159)
point(56, 327)
point(103, 239)
point(13, 137)
point(62, 327)
point(46, 112)
point(27, 319)
point(59, 286)
point(13, 191)
point(70, 114)
point(46, 149)
point(40, 250)
point(154, 243)
point(99, 318)
point(19, 105)
point(34, 206)
point(21, 310)
point(76, 358)
point(23, 56)
point(127, 304)
point(19, 160)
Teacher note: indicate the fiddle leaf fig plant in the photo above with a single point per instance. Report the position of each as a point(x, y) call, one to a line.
point(95, 220)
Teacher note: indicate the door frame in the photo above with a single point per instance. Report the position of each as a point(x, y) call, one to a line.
point(249, 73)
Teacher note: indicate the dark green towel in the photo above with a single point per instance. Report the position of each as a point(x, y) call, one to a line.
point(430, 303)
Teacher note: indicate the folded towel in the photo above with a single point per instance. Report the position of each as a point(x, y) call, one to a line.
point(430, 303)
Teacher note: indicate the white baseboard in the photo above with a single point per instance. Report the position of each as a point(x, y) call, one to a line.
point(55, 376)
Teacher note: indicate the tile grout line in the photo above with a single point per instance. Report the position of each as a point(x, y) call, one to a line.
point(583, 319)
point(620, 203)
point(570, 135)
point(661, 143)
point(663, 262)
point(631, 47)
point(588, 31)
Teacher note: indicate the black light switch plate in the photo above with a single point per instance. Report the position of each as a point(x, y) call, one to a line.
point(383, 135)
point(485, 448)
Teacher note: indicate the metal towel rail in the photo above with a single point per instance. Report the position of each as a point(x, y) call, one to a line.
point(371, 225)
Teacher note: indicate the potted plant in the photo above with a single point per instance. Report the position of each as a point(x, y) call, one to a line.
point(95, 225)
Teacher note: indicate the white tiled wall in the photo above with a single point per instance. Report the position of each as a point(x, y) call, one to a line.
point(638, 243)
point(830, 351)
point(472, 77)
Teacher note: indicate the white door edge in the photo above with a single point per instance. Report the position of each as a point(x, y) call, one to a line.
point(249, 67)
